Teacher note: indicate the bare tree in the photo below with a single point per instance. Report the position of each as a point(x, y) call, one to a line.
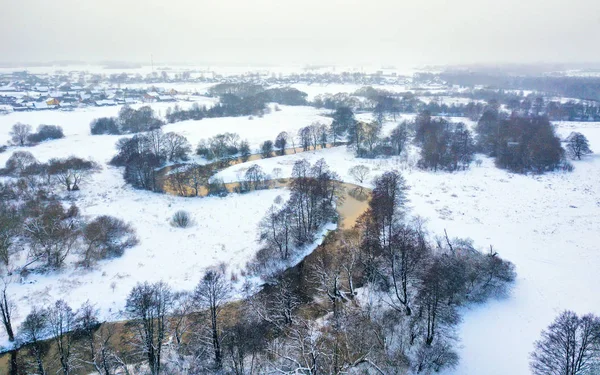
point(275, 231)
point(305, 136)
point(577, 145)
point(106, 237)
point(62, 321)
point(570, 346)
point(176, 146)
point(7, 308)
point(255, 178)
point(405, 258)
point(52, 234)
point(71, 172)
point(399, 137)
point(359, 172)
point(281, 141)
point(19, 133)
point(10, 227)
point(18, 162)
point(292, 134)
point(33, 332)
point(266, 149)
point(198, 176)
point(148, 307)
point(211, 293)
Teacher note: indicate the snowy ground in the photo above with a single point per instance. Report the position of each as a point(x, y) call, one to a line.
point(547, 225)
point(225, 229)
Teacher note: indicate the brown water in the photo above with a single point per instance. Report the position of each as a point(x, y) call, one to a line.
point(353, 200)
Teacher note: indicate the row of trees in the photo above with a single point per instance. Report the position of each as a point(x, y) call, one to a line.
point(288, 226)
point(223, 146)
point(70, 172)
point(68, 341)
point(229, 105)
point(128, 121)
point(22, 135)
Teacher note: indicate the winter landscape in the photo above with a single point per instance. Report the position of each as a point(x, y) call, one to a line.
point(305, 218)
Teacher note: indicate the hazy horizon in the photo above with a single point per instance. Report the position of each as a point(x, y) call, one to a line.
point(325, 32)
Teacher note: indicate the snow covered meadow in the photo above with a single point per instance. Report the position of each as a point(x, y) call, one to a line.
point(177, 256)
point(548, 226)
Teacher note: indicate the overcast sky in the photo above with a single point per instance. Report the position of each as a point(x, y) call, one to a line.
point(389, 32)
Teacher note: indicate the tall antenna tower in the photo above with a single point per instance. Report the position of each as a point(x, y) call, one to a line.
point(152, 62)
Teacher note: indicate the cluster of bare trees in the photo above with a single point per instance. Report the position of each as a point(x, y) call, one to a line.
point(21, 134)
point(52, 233)
point(129, 120)
point(287, 227)
point(420, 283)
point(523, 144)
point(69, 173)
point(142, 154)
point(61, 339)
point(444, 145)
point(223, 146)
point(35, 222)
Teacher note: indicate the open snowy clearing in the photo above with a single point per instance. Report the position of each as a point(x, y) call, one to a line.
point(547, 225)
point(225, 229)
point(77, 122)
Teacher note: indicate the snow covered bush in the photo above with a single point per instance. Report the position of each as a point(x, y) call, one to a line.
point(44, 133)
point(181, 219)
point(105, 125)
point(106, 237)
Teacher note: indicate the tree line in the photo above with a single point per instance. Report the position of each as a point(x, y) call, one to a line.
point(22, 135)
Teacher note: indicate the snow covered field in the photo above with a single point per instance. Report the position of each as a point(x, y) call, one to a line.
point(225, 229)
point(549, 226)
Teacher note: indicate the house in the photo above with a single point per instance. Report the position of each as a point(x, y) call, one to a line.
point(8, 87)
point(64, 106)
point(42, 105)
point(165, 98)
point(52, 101)
point(41, 88)
point(105, 103)
point(150, 97)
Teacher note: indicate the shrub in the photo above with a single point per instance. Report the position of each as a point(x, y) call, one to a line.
point(106, 237)
point(217, 187)
point(105, 125)
point(18, 162)
point(46, 132)
point(181, 219)
point(266, 149)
